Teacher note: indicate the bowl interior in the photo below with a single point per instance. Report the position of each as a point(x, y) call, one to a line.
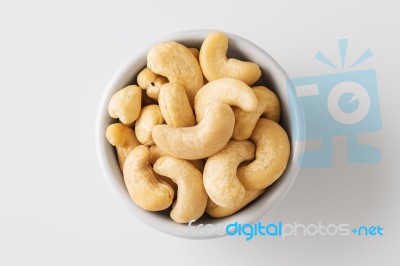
point(292, 120)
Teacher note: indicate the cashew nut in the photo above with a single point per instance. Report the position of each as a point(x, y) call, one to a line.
point(217, 211)
point(123, 138)
point(267, 107)
point(192, 198)
point(145, 187)
point(272, 155)
point(216, 65)
point(178, 64)
point(156, 153)
point(151, 82)
point(175, 106)
point(126, 104)
point(149, 117)
point(220, 180)
point(200, 141)
point(230, 91)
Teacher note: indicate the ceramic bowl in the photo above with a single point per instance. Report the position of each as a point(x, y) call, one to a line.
point(274, 77)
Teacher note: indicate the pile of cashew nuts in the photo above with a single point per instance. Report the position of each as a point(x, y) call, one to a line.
point(194, 135)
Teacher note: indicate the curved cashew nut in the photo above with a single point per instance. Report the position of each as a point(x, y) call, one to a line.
point(217, 211)
point(220, 180)
point(156, 153)
point(200, 141)
point(268, 106)
point(145, 187)
point(149, 117)
point(151, 82)
point(230, 91)
point(216, 65)
point(192, 198)
point(123, 138)
point(175, 106)
point(178, 64)
point(126, 104)
point(272, 155)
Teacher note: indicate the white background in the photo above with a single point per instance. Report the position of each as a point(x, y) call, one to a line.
point(56, 57)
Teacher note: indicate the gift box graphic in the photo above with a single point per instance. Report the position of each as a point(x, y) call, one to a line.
point(338, 104)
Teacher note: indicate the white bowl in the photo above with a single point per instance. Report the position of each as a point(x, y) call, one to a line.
point(273, 77)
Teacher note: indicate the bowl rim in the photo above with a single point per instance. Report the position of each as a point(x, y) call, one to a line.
point(295, 120)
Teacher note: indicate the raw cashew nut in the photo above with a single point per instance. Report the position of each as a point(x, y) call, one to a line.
point(200, 141)
point(175, 106)
point(230, 91)
point(272, 155)
point(218, 212)
point(126, 104)
point(268, 106)
point(156, 153)
point(123, 138)
point(178, 64)
point(145, 187)
point(219, 177)
point(149, 117)
point(151, 82)
point(192, 198)
point(216, 65)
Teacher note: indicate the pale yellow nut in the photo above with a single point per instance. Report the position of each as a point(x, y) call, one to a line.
point(175, 106)
point(272, 155)
point(123, 138)
point(156, 153)
point(216, 65)
point(268, 106)
point(192, 198)
point(219, 176)
point(217, 211)
point(145, 187)
point(126, 104)
point(151, 82)
point(178, 64)
point(200, 141)
point(149, 117)
point(227, 90)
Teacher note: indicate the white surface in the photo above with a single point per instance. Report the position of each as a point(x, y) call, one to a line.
point(55, 60)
